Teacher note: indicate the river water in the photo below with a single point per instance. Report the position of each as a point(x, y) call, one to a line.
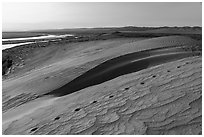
point(47, 37)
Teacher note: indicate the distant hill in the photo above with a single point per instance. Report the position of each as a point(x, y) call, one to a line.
point(176, 30)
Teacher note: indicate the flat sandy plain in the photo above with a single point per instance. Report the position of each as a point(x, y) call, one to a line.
point(162, 99)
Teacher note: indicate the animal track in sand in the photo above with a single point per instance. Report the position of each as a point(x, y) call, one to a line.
point(142, 83)
point(77, 109)
point(57, 118)
point(94, 101)
point(33, 129)
point(111, 96)
point(154, 76)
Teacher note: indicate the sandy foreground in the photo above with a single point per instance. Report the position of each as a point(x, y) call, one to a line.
point(164, 99)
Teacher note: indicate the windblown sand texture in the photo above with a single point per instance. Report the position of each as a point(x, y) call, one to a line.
point(160, 99)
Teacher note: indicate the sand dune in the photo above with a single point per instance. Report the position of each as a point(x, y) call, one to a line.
point(116, 67)
point(131, 104)
point(60, 61)
point(156, 100)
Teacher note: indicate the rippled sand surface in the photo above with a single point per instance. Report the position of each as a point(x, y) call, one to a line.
point(161, 99)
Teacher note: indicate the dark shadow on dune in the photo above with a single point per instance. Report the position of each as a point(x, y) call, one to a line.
point(122, 65)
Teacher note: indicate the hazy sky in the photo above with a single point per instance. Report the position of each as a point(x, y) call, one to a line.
point(50, 15)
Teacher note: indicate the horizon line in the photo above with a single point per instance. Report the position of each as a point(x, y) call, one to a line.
point(104, 27)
